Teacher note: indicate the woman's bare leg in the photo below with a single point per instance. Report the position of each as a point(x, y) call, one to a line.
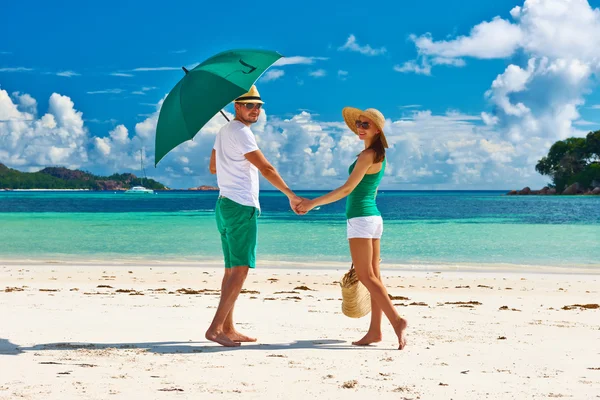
point(362, 256)
point(374, 333)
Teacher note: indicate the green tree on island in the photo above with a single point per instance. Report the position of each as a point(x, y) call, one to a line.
point(573, 160)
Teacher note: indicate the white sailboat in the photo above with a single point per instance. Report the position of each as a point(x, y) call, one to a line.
point(140, 189)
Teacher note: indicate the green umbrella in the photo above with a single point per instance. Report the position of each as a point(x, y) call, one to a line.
point(204, 91)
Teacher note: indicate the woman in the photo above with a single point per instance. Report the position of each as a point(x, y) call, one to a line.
point(365, 225)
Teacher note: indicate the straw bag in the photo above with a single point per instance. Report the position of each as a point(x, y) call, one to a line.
point(356, 299)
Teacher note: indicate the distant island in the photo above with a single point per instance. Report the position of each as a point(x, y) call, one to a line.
point(573, 165)
point(58, 178)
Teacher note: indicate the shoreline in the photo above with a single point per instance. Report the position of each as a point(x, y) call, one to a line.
point(312, 266)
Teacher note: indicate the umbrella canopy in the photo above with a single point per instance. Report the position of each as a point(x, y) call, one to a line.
point(204, 91)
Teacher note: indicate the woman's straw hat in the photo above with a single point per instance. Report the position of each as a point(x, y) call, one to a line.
point(356, 299)
point(352, 114)
point(251, 97)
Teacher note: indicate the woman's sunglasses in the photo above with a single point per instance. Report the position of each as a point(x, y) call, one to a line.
point(361, 124)
point(252, 106)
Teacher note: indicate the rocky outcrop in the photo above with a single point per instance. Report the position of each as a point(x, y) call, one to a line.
point(595, 191)
point(525, 191)
point(204, 188)
point(575, 188)
point(109, 185)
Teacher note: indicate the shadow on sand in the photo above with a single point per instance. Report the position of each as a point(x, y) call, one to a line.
point(8, 348)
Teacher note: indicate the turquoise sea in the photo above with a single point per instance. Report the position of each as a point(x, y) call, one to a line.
point(480, 228)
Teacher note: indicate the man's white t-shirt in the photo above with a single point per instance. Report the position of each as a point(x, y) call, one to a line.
point(236, 176)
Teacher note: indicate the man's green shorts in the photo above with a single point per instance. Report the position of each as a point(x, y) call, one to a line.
point(238, 226)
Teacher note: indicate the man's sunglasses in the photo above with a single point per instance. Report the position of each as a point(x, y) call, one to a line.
point(252, 106)
point(361, 124)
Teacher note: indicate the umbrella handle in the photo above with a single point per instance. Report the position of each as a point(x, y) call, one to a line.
point(223, 114)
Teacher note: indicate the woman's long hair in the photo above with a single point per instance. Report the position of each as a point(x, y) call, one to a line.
point(377, 145)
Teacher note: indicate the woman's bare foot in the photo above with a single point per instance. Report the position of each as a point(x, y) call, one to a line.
point(239, 337)
point(368, 339)
point(221, 338)
point(400, 329)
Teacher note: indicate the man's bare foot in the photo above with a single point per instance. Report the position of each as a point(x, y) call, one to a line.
point(239, 337)
point(400, 329)
point(368, 339)
point(221, 338)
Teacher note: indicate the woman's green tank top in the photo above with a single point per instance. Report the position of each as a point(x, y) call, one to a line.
point(361, 202)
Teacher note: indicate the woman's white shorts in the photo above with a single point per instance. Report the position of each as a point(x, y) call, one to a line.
point(365, 227)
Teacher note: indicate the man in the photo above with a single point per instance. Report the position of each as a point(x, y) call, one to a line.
point(237, 160)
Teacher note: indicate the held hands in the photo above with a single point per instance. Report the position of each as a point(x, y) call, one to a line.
point(294, 202)
point(305, 206)
point(301, 205)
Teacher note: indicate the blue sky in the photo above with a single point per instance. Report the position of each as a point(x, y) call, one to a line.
point(467, 107)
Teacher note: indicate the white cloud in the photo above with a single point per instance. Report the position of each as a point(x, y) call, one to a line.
point(557, 29)
point(413, 66)
point(455, 62)
point(16, 69)
point(595, 107)
point(111, 121)
point(424, 64)
point(534, 102)
point(320, 73)
point(297, 60)
point(410, 106)
point(29, 143)
point(272, 75)
point(143, 90)
point(352, 45)
point(495, 39)
point(67, 74)
point(489, 119)
point(107, 91)
point(26, 103)
point(62, 108)
point(9, 110)
point(120, 134)
point(453, 150)
point(343, 75)
point(433, 151)
point(582, 122)
point(121, 74)
point(540, 101)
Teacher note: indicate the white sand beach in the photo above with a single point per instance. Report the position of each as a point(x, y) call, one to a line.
point(137, 332)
